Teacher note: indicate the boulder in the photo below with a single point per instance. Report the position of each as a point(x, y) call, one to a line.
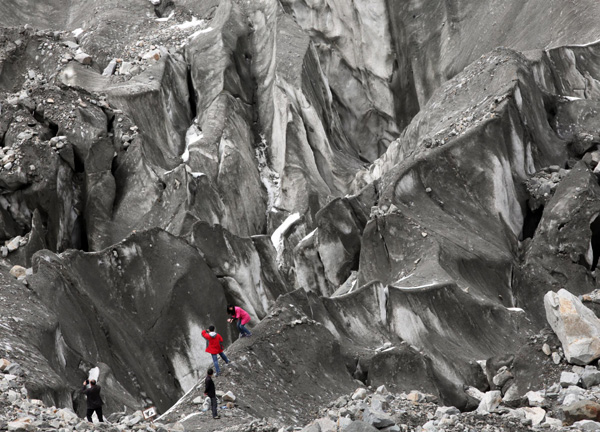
point(590, 377)
point(13, 245)
point(577, 327)
point(582, 410)
point(18, 271)
point(382, 390)
point(229, 397)
point(546, 349)
point(3, 364)
point(502, 376)
point(446, 411)
point(377, 419)
point(359, 394)
point(586, 425)
point(14, 369)
point(490, 402)
point(83, 58)
point(535, 414)
point(21, 426)
point(535, 399)
point(379, 403)
point(569, 379)
point(572, 394)
point(360, 426)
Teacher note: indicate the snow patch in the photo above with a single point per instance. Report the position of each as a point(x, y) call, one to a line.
point(276, 237)
point(195, 22)
point(572, 98)
point(199, 32)
point(94, 373)
point(585, 45)
point(515, 309)
point(77, 32)
point(192, 136)
point(416, 287)
point(519, 98)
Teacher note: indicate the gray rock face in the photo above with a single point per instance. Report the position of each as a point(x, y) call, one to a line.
point(422, 187)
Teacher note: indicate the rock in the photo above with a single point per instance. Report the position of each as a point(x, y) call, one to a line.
point(535, 414)
point(377, 419)
point(13, 245)
point(14, 369)
point(502, 376)
point(359, 426)
point(569, 379)
point(586, 425)
point(552, 422)
point(132, 420)
point(416, 396)
point(582, 410)
point(590, 377)
point(110, 68)
point(83, 58)
point(17, 271)
point(382, 390)
point(490, 402)
point(475, 393)
point(446, 411)
point(556, 358)
point(379, 403)
point(3, 364)
point(576, 326)
point(20, 426)
point(572, 394)
point(229, 397)
point(546, 349)
point(154, 54)
point(198, 400)
point(67, 415)
point(513, 397)
point(535, 399)
point(359, 394)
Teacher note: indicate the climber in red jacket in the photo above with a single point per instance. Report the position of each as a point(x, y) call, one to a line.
point(214, 347)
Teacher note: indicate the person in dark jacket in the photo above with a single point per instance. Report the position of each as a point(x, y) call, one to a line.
point(214, 347)
point(94, 401)
point(210, 391)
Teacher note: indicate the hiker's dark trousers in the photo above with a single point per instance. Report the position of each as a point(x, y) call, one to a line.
point(98, 410)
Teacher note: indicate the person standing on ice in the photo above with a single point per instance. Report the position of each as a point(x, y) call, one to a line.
point(242, 317)
point(214, 347)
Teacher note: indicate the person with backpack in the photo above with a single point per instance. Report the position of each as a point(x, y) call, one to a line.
point(210, 391)
point(242, 317)
point(214, 346)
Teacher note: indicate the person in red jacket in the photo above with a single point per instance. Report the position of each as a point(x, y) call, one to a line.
point(242, 317)
point(214, 347)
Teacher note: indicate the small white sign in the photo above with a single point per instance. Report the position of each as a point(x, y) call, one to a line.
point(149, 413)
